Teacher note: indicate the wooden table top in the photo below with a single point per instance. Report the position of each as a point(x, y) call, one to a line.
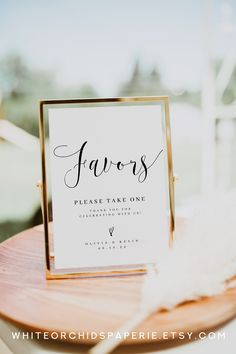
point(33, 303)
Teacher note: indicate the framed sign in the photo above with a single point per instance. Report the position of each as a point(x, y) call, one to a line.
point(107, 169)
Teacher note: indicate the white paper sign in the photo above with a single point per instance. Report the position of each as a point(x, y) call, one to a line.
point(108, 185)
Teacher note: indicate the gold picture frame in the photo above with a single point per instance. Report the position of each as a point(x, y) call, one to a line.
point(51, 273)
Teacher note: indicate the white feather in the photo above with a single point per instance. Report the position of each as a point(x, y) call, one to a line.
point(203, 257)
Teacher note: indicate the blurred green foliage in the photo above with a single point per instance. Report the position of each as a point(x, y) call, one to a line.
point(149, 83)
point(229, 94)
point(22, 87)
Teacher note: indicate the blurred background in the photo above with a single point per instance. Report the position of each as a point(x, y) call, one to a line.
point(72, 49)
